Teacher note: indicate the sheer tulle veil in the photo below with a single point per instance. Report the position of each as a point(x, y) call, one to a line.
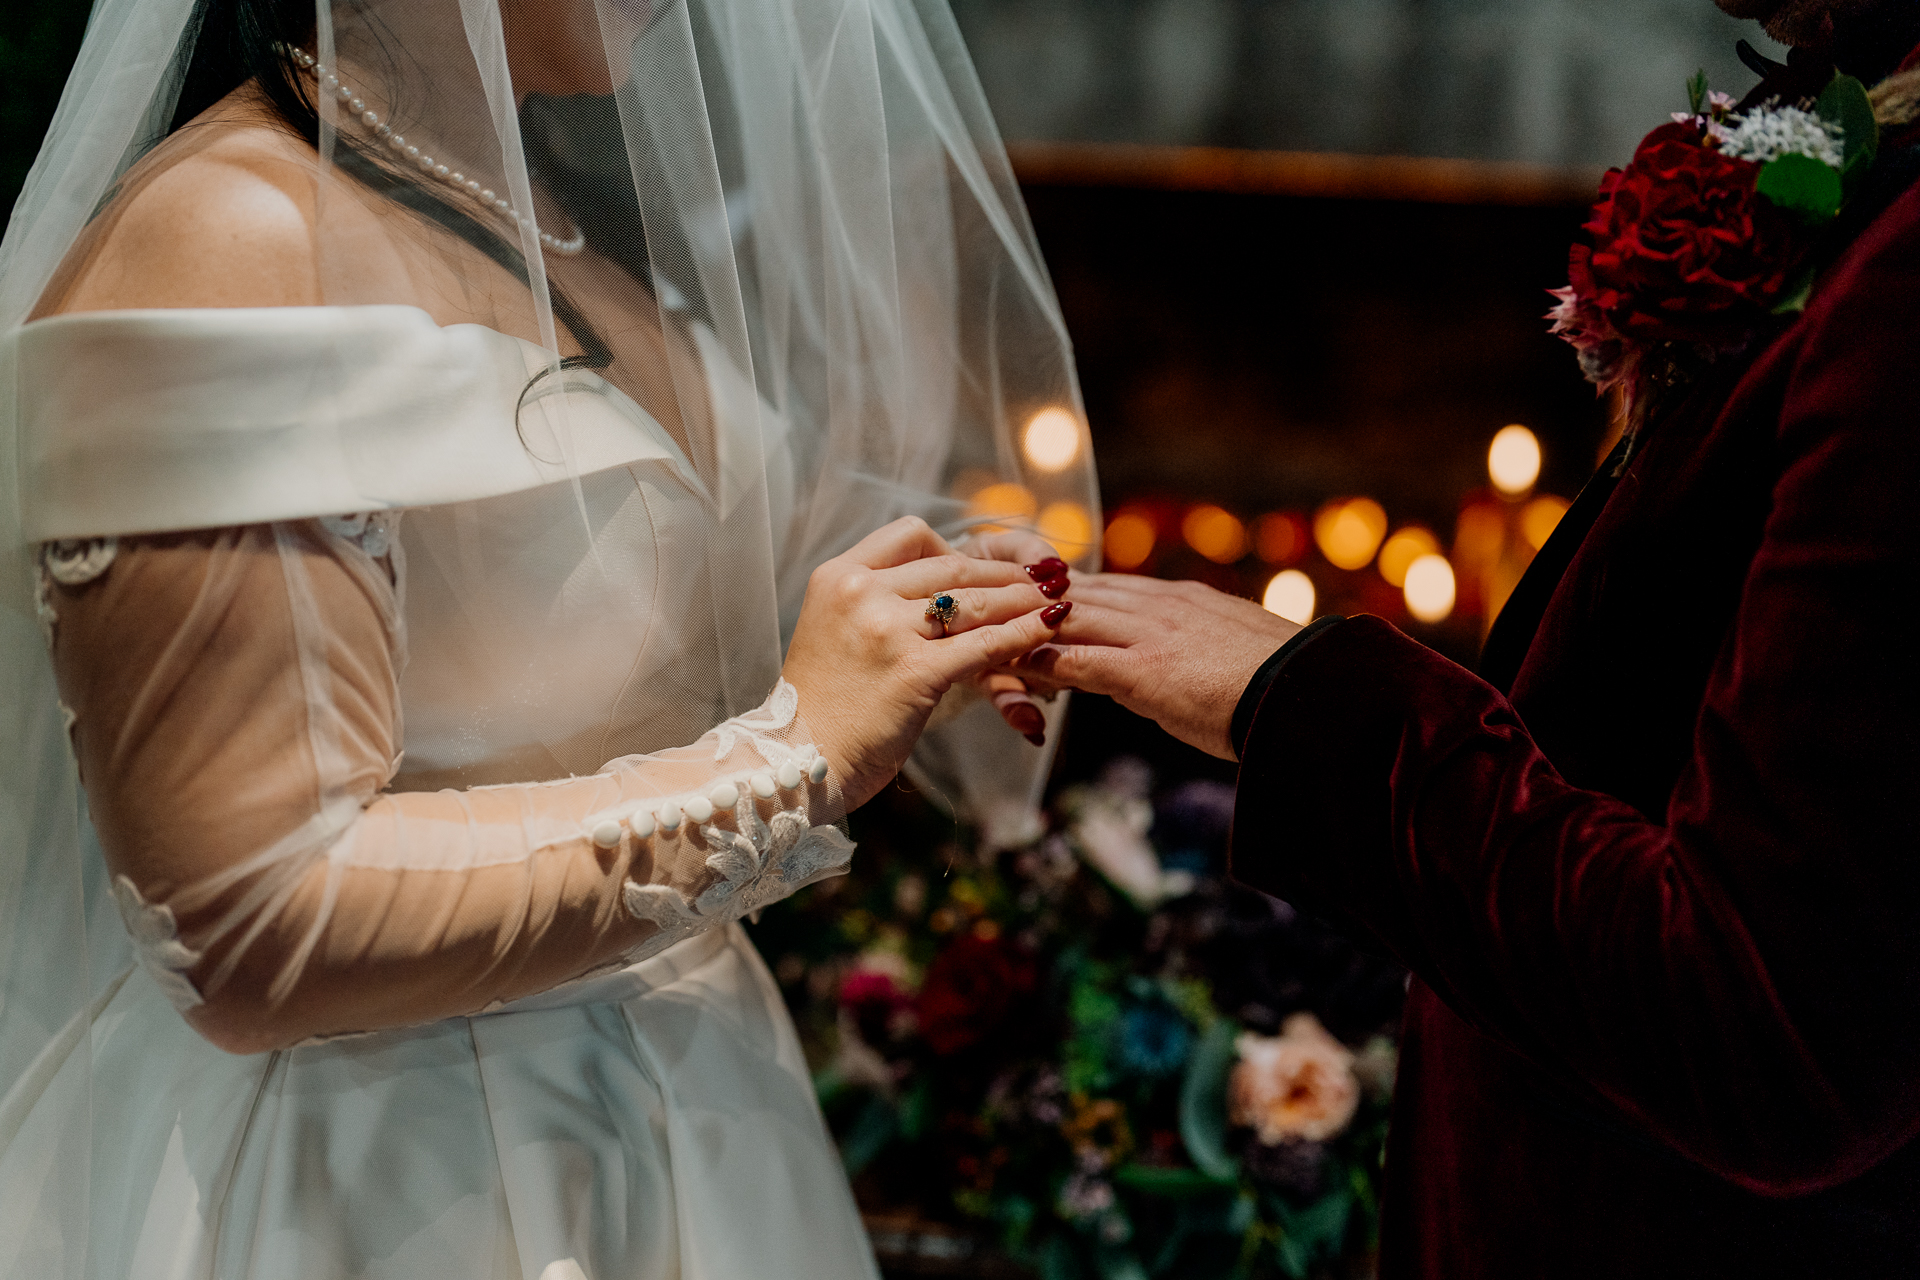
point(800, 207)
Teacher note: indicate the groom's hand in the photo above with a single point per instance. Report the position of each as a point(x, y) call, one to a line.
point(1179, 653)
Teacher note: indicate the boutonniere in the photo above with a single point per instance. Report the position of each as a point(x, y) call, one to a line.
point(1710, 231)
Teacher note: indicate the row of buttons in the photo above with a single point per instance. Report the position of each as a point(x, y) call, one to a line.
point(644, 820)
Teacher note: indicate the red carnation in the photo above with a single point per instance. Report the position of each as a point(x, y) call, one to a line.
point(1683, 248)
point(970, 989)
point(865, 988)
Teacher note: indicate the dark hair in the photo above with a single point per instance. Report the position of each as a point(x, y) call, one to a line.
point(234, 41)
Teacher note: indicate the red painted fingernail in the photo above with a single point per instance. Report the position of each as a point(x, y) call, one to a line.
point(1054, 588)
point(1026, 718)
point(1055, 614)
point(1051, 567)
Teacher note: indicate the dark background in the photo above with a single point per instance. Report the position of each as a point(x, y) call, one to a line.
point(1272, 352)
point(38, 41)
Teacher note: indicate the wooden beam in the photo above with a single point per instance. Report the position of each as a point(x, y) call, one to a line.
point(1311, 174)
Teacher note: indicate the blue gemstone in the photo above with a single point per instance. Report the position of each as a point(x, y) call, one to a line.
point(943, 602)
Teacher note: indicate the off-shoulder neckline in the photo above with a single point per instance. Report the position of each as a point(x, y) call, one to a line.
point(157, 314)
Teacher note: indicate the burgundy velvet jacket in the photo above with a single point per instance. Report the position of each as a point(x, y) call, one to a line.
point(1658, 882)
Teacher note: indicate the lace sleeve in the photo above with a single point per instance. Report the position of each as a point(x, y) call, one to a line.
point(232, 699)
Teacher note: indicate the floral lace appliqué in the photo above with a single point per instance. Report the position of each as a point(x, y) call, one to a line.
point(157, 945)
point(759, 725)
point(371, 531)
point(759, 863)
point(71, 562)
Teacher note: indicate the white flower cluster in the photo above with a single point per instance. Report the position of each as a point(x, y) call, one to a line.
point(1769, 132)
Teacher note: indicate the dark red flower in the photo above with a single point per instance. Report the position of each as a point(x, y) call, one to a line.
point(865, 987)
point(1682, 246)
point(970, 989)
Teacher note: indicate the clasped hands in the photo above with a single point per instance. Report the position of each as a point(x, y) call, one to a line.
point(872, 664)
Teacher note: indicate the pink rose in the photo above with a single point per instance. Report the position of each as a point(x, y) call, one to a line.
point(1296, 1085)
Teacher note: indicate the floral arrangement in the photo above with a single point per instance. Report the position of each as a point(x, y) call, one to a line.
point(1091, 1051)
point(1710, 230)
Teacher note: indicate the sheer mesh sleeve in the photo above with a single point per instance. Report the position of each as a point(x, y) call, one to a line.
point(232, 697)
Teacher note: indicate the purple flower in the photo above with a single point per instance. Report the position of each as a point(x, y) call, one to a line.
point(1296, 1167)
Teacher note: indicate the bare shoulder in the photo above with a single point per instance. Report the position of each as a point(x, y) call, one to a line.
point(221, 215)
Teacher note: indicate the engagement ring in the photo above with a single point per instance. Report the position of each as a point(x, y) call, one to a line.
point(943, 609)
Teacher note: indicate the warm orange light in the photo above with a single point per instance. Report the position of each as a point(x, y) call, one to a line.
point(1349, 532)
point(1430, 589)
point(1052, 439)
point(1130, 539)
point(1290, 594)
point(1215, 533)
point(1002, 501)
point(1068, 527)
point(1279, 537)
point(1481, 533)
point(1539, 518)
point(971, 481)
point(1402, 549)
point(1513, 460)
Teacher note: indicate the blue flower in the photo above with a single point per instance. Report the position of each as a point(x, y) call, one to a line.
point(1154, 1040)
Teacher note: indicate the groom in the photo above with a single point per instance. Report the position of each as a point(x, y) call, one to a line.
point(1656, 870)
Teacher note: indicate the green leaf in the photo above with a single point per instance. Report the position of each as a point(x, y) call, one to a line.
point(1323, 1224)
point(915, 1110)
point(1058, 1259)
point(1799, 290)
point(1172, 1184)
point(1240, 1220)
point(829, 1086)
point(1844, 102)
point(1697, 92)
point(1017, 1214)
point(876, 1126)
point(1803, 186)
point(1203, 1102)
point(1317, 1230)
point(1294, 1258)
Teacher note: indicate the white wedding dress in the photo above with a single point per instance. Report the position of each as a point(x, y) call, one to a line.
point(653, 1121)
point(391, 727)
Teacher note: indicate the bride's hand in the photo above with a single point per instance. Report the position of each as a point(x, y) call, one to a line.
point(1009, 693)
point(870, 665)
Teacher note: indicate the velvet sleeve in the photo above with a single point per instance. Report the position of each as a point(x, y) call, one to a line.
point(1739, 976)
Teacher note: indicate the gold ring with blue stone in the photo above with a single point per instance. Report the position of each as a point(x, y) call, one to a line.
point(943, 609)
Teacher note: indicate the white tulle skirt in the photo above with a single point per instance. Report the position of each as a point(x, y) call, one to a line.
point(655, 1123)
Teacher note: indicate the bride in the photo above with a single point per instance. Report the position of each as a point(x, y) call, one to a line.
point(444, 443)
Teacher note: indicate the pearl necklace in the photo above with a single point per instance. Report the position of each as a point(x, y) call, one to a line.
point(330, 83)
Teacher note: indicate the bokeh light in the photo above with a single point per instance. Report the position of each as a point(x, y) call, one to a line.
point(1002, 501)
point(1279, 537)
point(1052, 439)
point(1290, 594)
point(1215, 533)
point(972, 480)
point(1513, 460)
point(1430, 588)
point(1539, 518)
point(1480, 534)
point(1349, 532)
point(1402, 549)
point(1130, 538)
point(1068, 527)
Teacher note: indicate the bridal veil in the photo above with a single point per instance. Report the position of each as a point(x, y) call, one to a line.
point(782, 234)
